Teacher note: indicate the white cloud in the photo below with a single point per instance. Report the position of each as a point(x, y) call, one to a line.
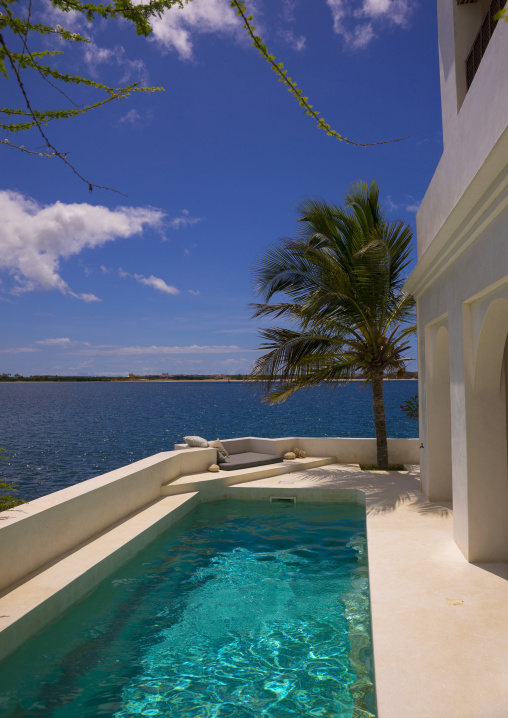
point(132, 117)
point(133, 70)
point(413, 207)
point(151, 281)
point(409, 205)
point(185, 220)
point(193, 349)
point(34, 238)
point(19, 350)
point(391, 205)
point(397, 11)
point(156, 283)
point(60, 342)
point(84, 296)
point(83, 348)
point(70, 20)
point(288, 10)
point(77, 348)
point(194, 293)
point(357, 22)
point(296, 43)
point(176, 29)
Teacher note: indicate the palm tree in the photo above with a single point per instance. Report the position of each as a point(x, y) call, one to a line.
point(342, 301)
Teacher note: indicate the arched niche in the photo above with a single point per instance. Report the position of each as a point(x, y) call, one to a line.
point(491, 347)
point(439, 436)
point(487, 445)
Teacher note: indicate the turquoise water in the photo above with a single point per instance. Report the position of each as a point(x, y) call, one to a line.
point(59, 434)
point(242, 610)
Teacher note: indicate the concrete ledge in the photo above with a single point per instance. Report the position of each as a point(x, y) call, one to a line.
point(346, 450)
point(28, 607)
point(362, 451)
point(308, 495)
point(211, 485)
point(38, 532)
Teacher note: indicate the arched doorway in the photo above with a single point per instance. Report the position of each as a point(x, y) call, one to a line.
point(487, 443)
point(439, 436)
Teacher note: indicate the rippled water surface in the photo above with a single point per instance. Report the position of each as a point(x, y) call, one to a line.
point(242, 610)
point(59, 434)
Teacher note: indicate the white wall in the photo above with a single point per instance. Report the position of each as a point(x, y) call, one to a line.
point(471, 133)
point(437, 480)
point(471, 291)
point(41, 530)
point(345, 450)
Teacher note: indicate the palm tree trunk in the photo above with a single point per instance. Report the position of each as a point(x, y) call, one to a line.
point(379, 419)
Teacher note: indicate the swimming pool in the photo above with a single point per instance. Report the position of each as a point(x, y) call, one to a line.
point(241, 610)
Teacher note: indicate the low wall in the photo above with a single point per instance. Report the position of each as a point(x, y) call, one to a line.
point(35, 533)
point(38, 532)
point(362, 451)
point(345, 450)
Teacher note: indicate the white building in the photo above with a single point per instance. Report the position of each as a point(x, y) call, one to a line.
point(461, 284)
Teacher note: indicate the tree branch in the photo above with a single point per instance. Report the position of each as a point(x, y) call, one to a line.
point(47, 141)
point(278, 68)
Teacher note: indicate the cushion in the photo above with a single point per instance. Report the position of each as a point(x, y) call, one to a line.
point(300, 454)
point(221, 459)
point(217, 444)
point(196, 441)
point(247, 460)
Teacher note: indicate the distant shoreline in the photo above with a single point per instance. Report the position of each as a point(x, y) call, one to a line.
point(231, 381)
point(119, 380)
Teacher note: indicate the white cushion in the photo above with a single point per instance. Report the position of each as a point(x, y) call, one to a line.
point(196, 441)
point(217, 444)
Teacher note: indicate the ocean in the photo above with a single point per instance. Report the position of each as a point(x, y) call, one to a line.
point(58, 434)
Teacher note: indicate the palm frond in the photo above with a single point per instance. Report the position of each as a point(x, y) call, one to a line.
point(340, 282)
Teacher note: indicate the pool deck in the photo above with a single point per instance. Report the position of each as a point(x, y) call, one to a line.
point(440, 624)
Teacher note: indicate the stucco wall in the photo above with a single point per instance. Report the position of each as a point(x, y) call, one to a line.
point(471, 132)
point(466, 292)
point(41, 530)
point(345, 450)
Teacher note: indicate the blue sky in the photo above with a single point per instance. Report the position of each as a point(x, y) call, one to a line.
point(160, 281)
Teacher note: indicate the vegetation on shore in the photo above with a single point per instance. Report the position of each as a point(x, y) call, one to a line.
point(7, 501)
point(154, 377)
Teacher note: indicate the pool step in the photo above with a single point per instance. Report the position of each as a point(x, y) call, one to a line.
point(211, 485)
point(27, 607)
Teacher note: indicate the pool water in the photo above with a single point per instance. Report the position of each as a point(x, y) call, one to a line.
point(241, 610)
